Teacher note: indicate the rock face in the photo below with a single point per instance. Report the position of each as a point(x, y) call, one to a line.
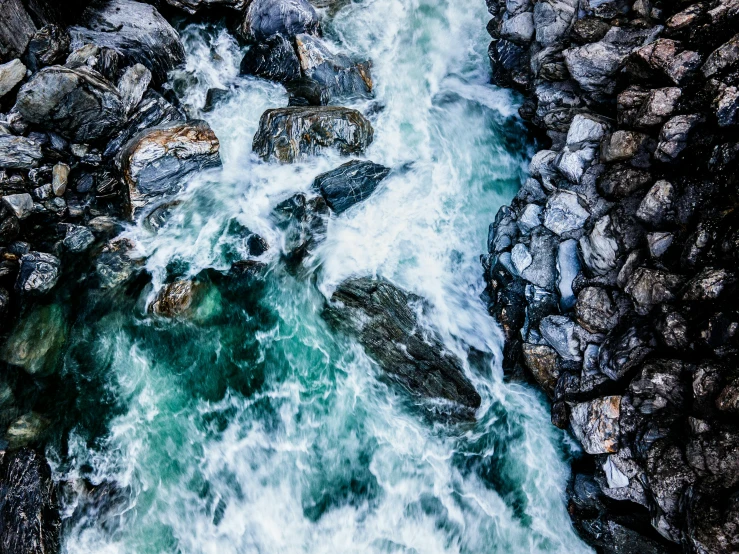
point(349, 184)
point(292, 134)
point(613, 272)
point(155, 161)
point(384, 320)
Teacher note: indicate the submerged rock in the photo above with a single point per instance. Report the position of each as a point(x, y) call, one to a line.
point(303, 222)
point(384, 319)
point(349, 184)
point(292, 134)
point(37, 340)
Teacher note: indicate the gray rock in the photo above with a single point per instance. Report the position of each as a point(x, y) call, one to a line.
point(724, 57)
point(596, 426)
point(727, 107)
point(624, 350)
point(38, 273)
point(596, 311)
point(266, 18)
point(78, 238)
point(518, 28)
point(542, 165)
point(49, 45)
point(568, 266)
point(585, 131)
point(20, 204)
point(515, 7)
point(659, 243)
point(557, 104)
point(552, 19)
point(384, 319)
point(292, 134)
point(593, 66)
point(562, 334)
point(673, 330)
point(665, 57)
point(622, 146)
point(541, 361)
point(624, 477)
point(194, 6)
point(658, 106)
point(349, 184)
point(303, 222)
point(11, 74)
point(600, 248)
point(543, 269)
point(708, 285)
point(657, 207)
point(529, 218)
point(135, 30)
point(77, 103)
point(565, 213)
point(531, 192)
point(20, 152)
point(274, 59)
point(16, 29)
point(521, 258)
point(607, 9)
point(117, 263)
point(133, 85)
point(674, 136)
point(649, 287)
point(155, 161)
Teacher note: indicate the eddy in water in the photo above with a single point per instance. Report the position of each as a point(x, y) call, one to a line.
point(303, 363)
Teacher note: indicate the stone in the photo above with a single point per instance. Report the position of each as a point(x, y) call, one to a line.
point(20, 152)
point(519, 29)
point(49, 46)
point(568, 267)
point(624, 478)
point(29, 515)
point(621, 181)
point(656, 209)
point(557, 104)
point(136, 31)
point(650, 287)
point(307, 92)
point(11, 74)
point(708, 285)
point(274, 59)
point(552, 20)
point(595, 424)
point(594, 65)
point(176, 299)
point(117, 263)
point(674, 136)
point(59, 179)
point(659, 243)
point(685, 18)
point(38, 273)
point(16, 30)
point(589, 29)
point(264, 19)
point(132, 86)
point(728, 398)
point(562, 335)
point(37, 340)
point(384, 319)
point(521, 258)
point(195, 6)
point(622, 146)
point(349, 184)
point(541, 361)
point(542, 271)
point(625, 349)
point(727, 107)
point(509, 63)
point(600, 249)
point(78, 238)
point(659, 105)
point(530, 193)
point(673, 330)
point(659, 388)
point(155, 161)
point(291, 134)
point(529, 218)
point(724, 57)
point(503, 232)
point(304, 224)
point(596, 311)
point(664, 58)
point(565, 213)
point(21, 205)
point(77, 103)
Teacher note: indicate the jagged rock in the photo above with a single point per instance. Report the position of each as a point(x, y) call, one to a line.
point(724, 57)
point(557, 104)
point(349, 184)
point(274, 59)
point(194, 6)
point(542, 271)
point(59, 179)
point(509, 63)
point(36, 341)
point(136, 31)
point(708, 285)
point(520, 258)
point(685, 18)
point(38, 273)
point(531, 193)
point(568, 267)
point(565, 213)
point(155, 161)
point(624, 350)
point(673, 330)
point(175, 299)
point(562, 334)
point(16, 30)
point(589, 29)
point(600, 248)
point(78, 238)
point(620, 181)
point(20, 204)
point(11, 74)
point(541, 361)
point(623, 146)
point(623, 478)
point(49, 45)
point(727, 107)
point(674, 136)
point(303, 222)
point(596, 311)
point(580, 150)
point(307, 92)
point(519, 29)
point(29, 515)
point(595, 424)
point(594, 65)
point(659, 243)
point(659, 388)
point(20, 152)
point(117, 263)
point(132, 86)
point(384, 320)
point(266, 18)
point(293, 134)
point(650, 287)
point(712, 526)
point(657, 207)
point(552, 19)
point(77, 103)
point(664, 58)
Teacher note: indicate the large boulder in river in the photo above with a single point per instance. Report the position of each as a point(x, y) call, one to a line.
point(384, 319)
point(155, 161)
point(29, 514)
point(274, 59)
point(76, 103)
point(350, 183)
point(295, 133)
point(135, 30)
point(266, 18)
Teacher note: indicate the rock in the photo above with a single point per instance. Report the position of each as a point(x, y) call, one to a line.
point(541, 361)
point(59, 179)
point(274, 59)
point(620, 181)
point(659, 243)
point(674, 136)
point(561, 333)
point(724, 57)
point(709, 285)
point(565, 213)
point(624, 478)
point(293, 134)
point(650, 287)
point(542, 271)
point(509, 63)
point(673, 330)
point(16, 30)
point(727, 107)
point(595, 424)
point(194, 6)
point(264, 19)
point(600, 248)
point(664, 58)
point(557, 104)
point(658, 106)
point(593, 66)
point(712, 527)
point(133, 29)
point(552, 19)
point(624, 350)
point(78, 238)
point(623, 146)
point(133, 85)
point(77, 103)
point(37, 340)
point(685, 18)
point(657, 207)
point(521, 258)
point(20, 204)
point(175, 299)
point(303, 222)
point(11, 74)
point(349, 184)
point(29, 514)
point(307, 92)
point(589, 29)
point(568, 266)
point(38, 273)
point(49, 46)
point(117, 263)
point(155, 161)
point(596, 311)
point(20, 152)
point(384, 319)
point(337, 74)
point(518, 29)
point(659, 388)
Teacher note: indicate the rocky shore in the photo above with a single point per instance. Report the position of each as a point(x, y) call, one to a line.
point(613, 272)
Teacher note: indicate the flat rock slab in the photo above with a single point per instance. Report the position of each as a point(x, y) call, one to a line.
point(350, 183)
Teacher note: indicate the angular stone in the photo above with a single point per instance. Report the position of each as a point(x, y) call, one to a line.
point(552, 19)
point(659, 243)
point(596, 426)
point(20, 204)
point(117, 263)
point(600, 248)
point(11, 74)
point(622, 146)
point(650, 287)
point(659, 105)
point(521, 258)
point(541, 361)
point(529, 218)
point(674, 136)
point(565, 213)
point(304, 224)
point(620, 181)
point(727, 107)
point(593, 66)
point(38, 273)
point(543, 269)
point(724, 57)
point(657, 207)
point(518, 28)
point(264, 19)
point(274, 59)
point(78, 238)
point(589, 29)
point(685, 18)
point(596, 311)
point(59, 179)
point(624, 478)
point(568, 266)
point(624, 350)
point(133, 85)
point(665, 57)
point(20, 152)
point(49, 45)
point(16, 29)
point(561, 334)
point(708, 285)
point(349, 184)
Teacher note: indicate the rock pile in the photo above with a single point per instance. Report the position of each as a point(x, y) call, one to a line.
point(613, 272)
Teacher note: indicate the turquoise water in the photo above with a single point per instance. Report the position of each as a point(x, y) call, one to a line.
point(252, 427)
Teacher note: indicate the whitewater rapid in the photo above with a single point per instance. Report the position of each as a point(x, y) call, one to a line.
point(253, 427)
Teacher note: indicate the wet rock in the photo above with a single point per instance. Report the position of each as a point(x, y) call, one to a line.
point(673, 330)
point(136, 31)
point(38, 273)
point(685, 18)
point(307, 92)
point(291, 134)
point(596, 311)
point(557, 104)
point(724, 57)
point(132, 86)
point(664, 58)
point(29, 514)
point(155, 161)
point(624, 146)
point(510, 64)
point(562, 334)
point(595, 424)
point(624, 350)
point(117, 263)
point(11, 74)
point(674, 136)
point(59, 179)
point(36, 341)
point(304, 223)
point(77, 103)
point(20, 152)
point(27, 430)
point(194, 6)
point(384, 319)
point(49, 46)
point(620, 181)
point(589, 29)
point(659, 388)
point(519, 28)
point(565, 213)
point(77, 238)
point(623, 478)
point(552, 19)
point(531, 192)
point(274, 59)
point(175, 299)
point(727, 107)
point(21, 205)
point(16, 30)
point(659, 243)
point(594, 65)
point(349, 184)
point(521, 258)
point(600, 248)
point(657, 207)
point(709, 285)
point(541, 361)
point(568, 266)
point(264, 19)
point(542, 271)
point(530, 218)
point(650, 287)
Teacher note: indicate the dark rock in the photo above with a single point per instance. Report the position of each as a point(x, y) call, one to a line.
point(519, 28)
point(595, 424)
point(194, 6)
point(38, 273)
point(664, 59)
point(274, 59)
point(650, 287)
point(600, 249)
point(563, 335)
point(709, 285)
point(49, 46)
point(349, 184)
point(674, 136)
point(132, 86)
point(712, 525)
point(541, 361)
point(552, 19)
point(292, 134)
point(16, 29)
point(117, 263)
point(542, 271)
point(264, 19)
point(37, 340)
point(510, 64)
point(214, 97)
point(307, 92)
point(176, 299)
point(725, 57)
point(303, 222)
point(624, 350)
point(384, 319)
point(589, 29)
point(657, 207)
point(621, 180)
point(78, 238)
point(20, 152)
point(596, 311)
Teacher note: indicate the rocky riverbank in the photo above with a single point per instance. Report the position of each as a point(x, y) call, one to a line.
point(613, 273)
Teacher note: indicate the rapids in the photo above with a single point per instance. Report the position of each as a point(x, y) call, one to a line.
point(252, 427)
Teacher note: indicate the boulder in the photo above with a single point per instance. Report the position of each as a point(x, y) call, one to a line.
point(519, 28)
point(21, 205)
point(664, 59)
point(76, 103)
point(132, 86)
point(565, 213)
point(136, 31)
point(306, 92)
point(596, 426)
point(11, 74)
point(264, 19)
point(77, 238)
point(589, 29)
point(20, 152)
point(521, 258)
point(16, 29)
point(650, 287)
point(596, 311)
point(274, 59)
point(593, 66)
point(600, 249)
point(156, 160)
point(194, 6)
point(349, 184)
point(383, 317)
point(117, 263)
point(509, 63)
point(563, 335)
point(709, 284)
point(624, 146)
point(541, 361)
point(530, 217)
point(49, 46)
point(553, 19)
point(656, 209)
point(38, 273)
point(568, 267)
point(37, 340)
point(727, 107)
point(674, 136)
point(304, 222)
point(176, 299)
point(724, 57)
point(292, 134)
point(542, 271)
point(621, 180)
point(625, 349)
point(624, 478)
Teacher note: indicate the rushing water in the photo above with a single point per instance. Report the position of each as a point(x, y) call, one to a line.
point(251, 427)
